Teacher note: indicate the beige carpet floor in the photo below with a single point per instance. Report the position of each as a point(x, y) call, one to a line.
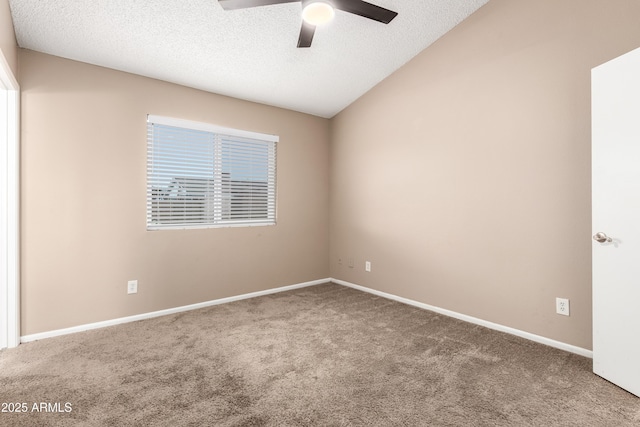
point(319, 356)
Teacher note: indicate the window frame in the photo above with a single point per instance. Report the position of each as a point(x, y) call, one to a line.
point(219, 132)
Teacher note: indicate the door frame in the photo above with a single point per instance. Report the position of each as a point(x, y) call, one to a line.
point(9, 207)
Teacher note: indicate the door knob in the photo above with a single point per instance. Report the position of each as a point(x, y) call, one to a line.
point(601, 237)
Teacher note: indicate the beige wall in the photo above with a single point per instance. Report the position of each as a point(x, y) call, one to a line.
point(83, 199)
point(8, 44)
point(465, 177)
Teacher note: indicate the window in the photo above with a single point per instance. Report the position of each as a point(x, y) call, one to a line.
point(200, 175)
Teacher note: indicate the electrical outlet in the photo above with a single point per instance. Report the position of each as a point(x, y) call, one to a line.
point(562, 306)
point(351, 263)
point(132, 287)
point(367, 266)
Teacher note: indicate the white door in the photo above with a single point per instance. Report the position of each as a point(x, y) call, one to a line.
point(615, 101)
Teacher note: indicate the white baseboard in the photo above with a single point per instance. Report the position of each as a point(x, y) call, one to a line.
point(537, 338)
point(104, 324)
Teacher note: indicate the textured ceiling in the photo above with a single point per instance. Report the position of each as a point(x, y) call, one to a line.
point(248, 54)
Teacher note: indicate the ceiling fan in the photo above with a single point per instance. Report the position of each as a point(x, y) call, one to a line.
point(318, 12)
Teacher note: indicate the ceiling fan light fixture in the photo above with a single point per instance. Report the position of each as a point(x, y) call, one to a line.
point(318, 13)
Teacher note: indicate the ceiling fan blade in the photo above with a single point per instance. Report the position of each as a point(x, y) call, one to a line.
point(244, 4)
point(365, 9)
point(306, 34)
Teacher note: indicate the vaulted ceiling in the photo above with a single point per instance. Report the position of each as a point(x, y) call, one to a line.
point(248, 54)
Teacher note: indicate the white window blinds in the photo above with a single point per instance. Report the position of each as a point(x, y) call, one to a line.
point(201, 175)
